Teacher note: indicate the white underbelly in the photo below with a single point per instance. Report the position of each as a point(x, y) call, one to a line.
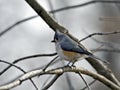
point(71, 57)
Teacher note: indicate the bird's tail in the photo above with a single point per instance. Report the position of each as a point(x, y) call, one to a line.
point(97, 58)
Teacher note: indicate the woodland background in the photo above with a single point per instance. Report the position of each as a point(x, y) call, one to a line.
point(34, 37)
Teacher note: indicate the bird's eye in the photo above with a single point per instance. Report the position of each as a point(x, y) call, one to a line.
point(55, 39)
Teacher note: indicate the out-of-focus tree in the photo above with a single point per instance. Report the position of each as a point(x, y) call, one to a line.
point(80, 17)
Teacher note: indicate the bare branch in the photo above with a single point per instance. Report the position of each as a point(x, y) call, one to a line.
point(85, 4)
point(110, 19)
point(16, 23)
point(58, 71)
point(19, 68)
point(34, 56)
point(107, 50)
point(112, 48)
point(103, 69)
point(51, 82)
point(89, 84)
point(50, 63)
point(27, 57)
point(45, 16)
point(106, 43)
point(56, 11)
point(69, 82)
point(104, 33)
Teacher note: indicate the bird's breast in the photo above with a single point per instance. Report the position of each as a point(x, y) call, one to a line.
point(70, 55)
point(66, 55)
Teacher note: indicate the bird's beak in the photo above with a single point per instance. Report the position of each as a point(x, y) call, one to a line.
point(53, 41)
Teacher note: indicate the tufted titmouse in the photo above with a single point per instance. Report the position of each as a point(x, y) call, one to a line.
point(70, 50)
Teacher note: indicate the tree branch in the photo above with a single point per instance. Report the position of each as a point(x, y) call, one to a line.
point(56, 11)
point(59, 71)
point(19, 68)
point(84, 4)
point(51, 82)
point(107, 50)
point(16, 23)
point(24, 58)
point(45, 16)
point(87, 85)
point(105, 33)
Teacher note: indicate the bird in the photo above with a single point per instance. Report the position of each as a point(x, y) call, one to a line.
point(70, 50)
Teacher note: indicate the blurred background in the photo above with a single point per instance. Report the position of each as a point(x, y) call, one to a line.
point(34, 37)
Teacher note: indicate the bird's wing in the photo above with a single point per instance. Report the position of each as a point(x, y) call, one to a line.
point(69, 46)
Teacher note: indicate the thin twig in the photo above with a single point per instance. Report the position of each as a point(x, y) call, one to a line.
point(69, 81)
point(105, 43)
point(111, 45)
point(19, 68)
point(27, 57)
point(87, 85)
point(51, 8)
point(91, 83)
point(46, 81)
point(51, 82)
point(108, 50)
point(110, 19)
point(34, 56)
point(17, 23)
point(50, 63)
point(84, 4)
point(46, 66)
point(104, 33)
